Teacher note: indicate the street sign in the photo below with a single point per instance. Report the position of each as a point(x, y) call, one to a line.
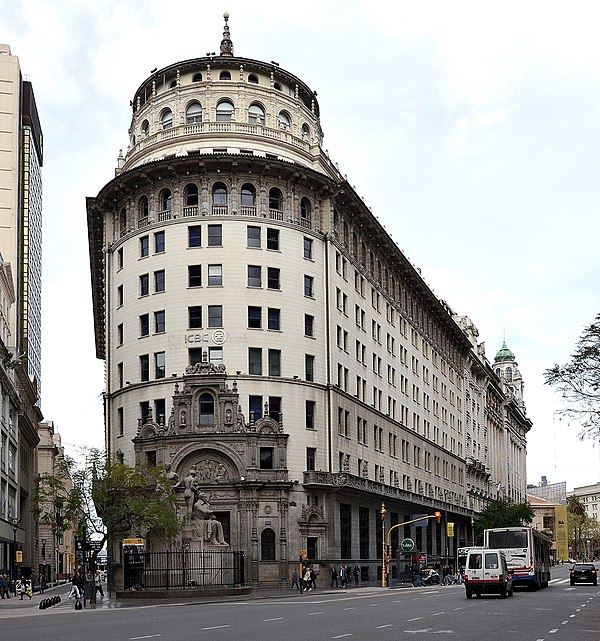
point(133, 541)
point(450, 530)
point(407, 545)
point(95, 545)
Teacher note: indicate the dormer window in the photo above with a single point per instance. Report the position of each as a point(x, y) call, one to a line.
point(277, 86)
point(253, 78)
point(224, 75)
point(197, 77)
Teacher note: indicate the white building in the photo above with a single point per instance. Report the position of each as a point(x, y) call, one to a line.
point(237, 274)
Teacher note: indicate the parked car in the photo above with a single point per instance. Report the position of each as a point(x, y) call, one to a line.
point(430, 577)
point(584, 573)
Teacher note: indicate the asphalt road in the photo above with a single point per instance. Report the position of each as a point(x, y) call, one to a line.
point(558, 613)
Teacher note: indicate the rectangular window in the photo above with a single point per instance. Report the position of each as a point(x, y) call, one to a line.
point(272, 238)
point(215, 235)
point(274, 362)
point(120, 258)
point(253, 236)
point(194, 236)
point(144, 246)
point(273, 278)
point(159, 242)
point(308, 248)
point(159, 281)
point(255, 407)
point(266, 458)
point(215, 316)
point(159, 365)
point(144, 411)
point(194, 275)
point(195, 317)
point(215, 275)
point(254, 317)
point(145, 325)
point(215, 355)
point(311, 457)
point(194, 355)
point(120, 296)
point(255, 361)
point(275, 407)
point(310, 415)
point(254, 276)
point(144, 285)
point(159, 410)
point(309, 325)
point(120, 422)
point(120, 334)
point(274, 321)
point(120, 374)
point(144, 368)
point(159, 322)
point(309, 367)
point(308, 286)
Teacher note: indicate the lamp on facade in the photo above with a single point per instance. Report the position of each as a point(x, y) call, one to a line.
point(383, 513)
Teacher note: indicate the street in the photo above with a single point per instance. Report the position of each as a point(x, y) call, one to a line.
point(559, 612)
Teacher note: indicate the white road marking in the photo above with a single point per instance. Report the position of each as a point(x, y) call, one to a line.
point(387, 625)
point(553, 631)
point(312, 614)
point(437, 614)
point(215, 627)
point(274, 619)
point(341, 636)
point(352, 608)
point(564, 622)
point(149, 636)
point(415, 619)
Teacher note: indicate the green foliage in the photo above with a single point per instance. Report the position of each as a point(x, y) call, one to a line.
point(503, 513)
point(579, 382)
point(103, 495)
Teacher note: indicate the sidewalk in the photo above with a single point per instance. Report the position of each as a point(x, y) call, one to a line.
point(14, 607)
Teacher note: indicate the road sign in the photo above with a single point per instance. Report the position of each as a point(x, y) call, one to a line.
point(95, 545)
point(133, 541)
point(407, 545)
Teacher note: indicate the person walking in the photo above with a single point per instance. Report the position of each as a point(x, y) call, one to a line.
point(343, 576)
point(295, 580)
point(307, 580)
point(334, 577)
point(98, 583)
point(74, 592)
point(313, 578)
point(42, 587)
point(356, 574)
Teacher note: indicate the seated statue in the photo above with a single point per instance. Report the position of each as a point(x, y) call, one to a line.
point(207, 526)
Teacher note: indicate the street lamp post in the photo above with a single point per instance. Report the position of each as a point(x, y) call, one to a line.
point(383, 513)
point(15, 527)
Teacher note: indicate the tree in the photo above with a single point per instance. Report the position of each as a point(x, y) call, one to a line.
point(579, 382)
point(504, 513)
point(100, 497)
point(577, 519)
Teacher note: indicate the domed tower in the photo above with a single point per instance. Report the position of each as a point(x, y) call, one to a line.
point(505, 367)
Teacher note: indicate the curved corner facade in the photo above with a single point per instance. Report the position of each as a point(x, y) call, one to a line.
point(256, 319)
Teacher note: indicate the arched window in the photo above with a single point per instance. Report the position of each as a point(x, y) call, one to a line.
point(225, 75)
point(498, 372)
point(173, 84)
point(275, 199)
point(277, 86)
point(166, 119)
point(191, 195)
point(145, 128)
point(284, 120)
point(165, 200)
point(253, 78)
point(305, 132)
point(193, 113)
point(143, 210)
point(224, 111)
point(267, 545)
point(345, 233)
point(207, 409)
point(363, 254)
point(123, 221)
point(197, 77)
point(219, 198)
point(248, 198)
point(354, 244)
point(256, 115)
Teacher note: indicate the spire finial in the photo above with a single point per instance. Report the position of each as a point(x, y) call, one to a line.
point(226, 43)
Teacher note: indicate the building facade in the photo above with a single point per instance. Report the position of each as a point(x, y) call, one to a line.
point(20, 247)
point(260, 327)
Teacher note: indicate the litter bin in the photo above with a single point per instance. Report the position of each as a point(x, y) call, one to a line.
point(89, 590)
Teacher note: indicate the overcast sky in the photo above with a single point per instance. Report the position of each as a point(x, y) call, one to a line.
point(470, 128)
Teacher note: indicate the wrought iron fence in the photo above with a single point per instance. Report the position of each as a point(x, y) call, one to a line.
point(183, 569)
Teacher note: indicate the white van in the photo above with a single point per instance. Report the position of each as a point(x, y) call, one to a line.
point(486, 571)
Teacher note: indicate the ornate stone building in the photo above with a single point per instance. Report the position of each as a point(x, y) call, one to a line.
point(262, 330)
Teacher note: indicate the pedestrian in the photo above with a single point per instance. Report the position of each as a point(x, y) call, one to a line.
point(307, 580)
point(343, 576)
point(98, 583)
point(2, 585)
point(418, 580)
point(42, 583)
point(295, 580)
point(25, 589)
point(74, 592)
point(334, 576)
point(5, 586)
point(313, 578)
point(356, 574)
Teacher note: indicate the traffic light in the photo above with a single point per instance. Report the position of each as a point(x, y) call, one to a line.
point(438, 516)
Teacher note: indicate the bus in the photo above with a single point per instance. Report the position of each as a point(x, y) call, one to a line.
point(527, 553)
